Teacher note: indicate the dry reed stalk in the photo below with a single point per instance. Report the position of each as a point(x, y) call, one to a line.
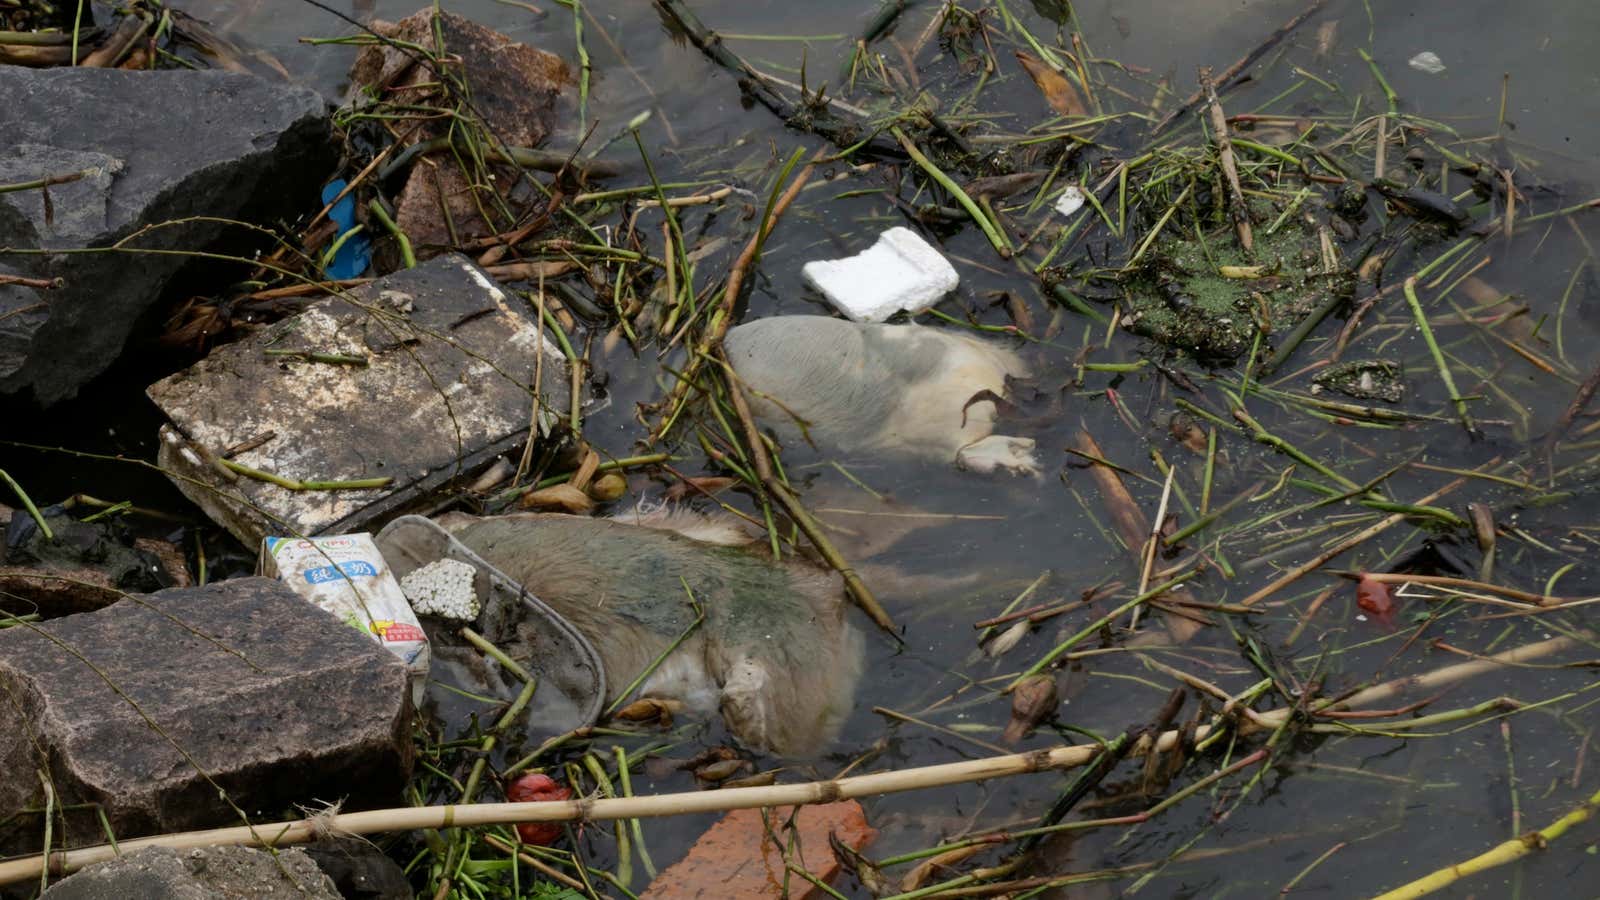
point(779, 491)
point(722, 319)
point(1238, 209)
point(1131, 526)
point(1507, 852)
point(1349, 543)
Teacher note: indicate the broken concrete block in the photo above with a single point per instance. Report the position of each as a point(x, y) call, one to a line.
point(737, 857)
point(210, 873)
point(273, 700)
point(139, 148)
point(450, 361)
point(900, 272)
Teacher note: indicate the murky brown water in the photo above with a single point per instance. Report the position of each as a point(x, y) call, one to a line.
point(1393, 808)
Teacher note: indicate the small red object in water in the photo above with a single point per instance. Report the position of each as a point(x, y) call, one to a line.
point(533, 788)
point(1373, 596)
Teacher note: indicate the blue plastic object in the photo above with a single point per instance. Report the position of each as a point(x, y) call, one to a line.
point(355, 254)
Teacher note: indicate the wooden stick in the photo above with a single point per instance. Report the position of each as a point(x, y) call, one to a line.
point(1580, 402)
point(299, 831)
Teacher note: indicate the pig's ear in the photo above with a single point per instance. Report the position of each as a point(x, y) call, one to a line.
point(747, 705)
point(720, 529)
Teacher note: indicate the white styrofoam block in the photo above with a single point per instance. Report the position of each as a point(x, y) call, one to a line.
point(1427, 62)
point(900, 271)
point(1070, 201)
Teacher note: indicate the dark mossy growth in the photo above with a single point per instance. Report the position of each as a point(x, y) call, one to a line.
point(1182, 298)
point(1364, 379)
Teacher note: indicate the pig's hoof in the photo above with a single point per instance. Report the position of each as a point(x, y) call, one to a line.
point(997, 451)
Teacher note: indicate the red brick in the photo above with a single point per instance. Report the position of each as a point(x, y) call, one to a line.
point(737, 857)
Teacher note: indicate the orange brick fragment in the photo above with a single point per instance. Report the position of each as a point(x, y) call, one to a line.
point(737, 857)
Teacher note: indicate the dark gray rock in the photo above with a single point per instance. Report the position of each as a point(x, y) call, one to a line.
point(359, 869)
point(276, 701)
point(146, 148)
point(212, 873)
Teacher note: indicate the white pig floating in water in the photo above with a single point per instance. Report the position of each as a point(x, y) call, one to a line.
point(775, 653)
point(904, 390)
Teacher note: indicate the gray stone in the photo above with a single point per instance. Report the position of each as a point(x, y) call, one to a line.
point(210, 873)
point(359, 869)
point(275, 701)
point(148, 147)
point(451, 361)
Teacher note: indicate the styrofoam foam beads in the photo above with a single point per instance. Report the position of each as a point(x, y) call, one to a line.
point(443, 588)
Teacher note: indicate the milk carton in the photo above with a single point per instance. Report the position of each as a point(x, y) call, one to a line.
point(347, 576)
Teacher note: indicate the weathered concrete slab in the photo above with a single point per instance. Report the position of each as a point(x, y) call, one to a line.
point(130, 150)
point(274, 700)
point(451, 363)
point(211, 873)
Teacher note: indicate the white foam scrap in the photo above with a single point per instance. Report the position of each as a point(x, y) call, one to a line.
point(442, 588)
point(1070, 201)
point(1427, 61)
point(900, 272)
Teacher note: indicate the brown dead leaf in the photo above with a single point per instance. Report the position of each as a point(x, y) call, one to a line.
point(608, 487)
point(722, 770)
point(586, 470)
point(1186, 431)
point(1033, 700)
point(650, 709)
point(917, 877)
point(1057, 90)
point(564, 497)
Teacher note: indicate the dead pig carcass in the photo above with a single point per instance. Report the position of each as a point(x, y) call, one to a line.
point(767, 644)
point(407, 385)
point(908, 391)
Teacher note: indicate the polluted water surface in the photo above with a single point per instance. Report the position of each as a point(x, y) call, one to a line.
point(1288, 460)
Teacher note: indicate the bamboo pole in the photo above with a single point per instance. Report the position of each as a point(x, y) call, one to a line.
point(299, 831)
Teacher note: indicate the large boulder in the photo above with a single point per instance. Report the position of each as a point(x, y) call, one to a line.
point(153, 705)
point(210, 873)
point(128, 150)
